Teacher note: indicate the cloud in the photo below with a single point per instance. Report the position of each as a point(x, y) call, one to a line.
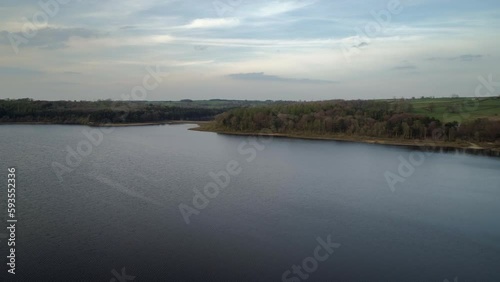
point(468, 57)
point(362, 44)
point(72, 73)
point(463, 58)
point(213, 23)
point(411, 67)
point(405, 65)
point(275, 8)
point(286, 40)
point(48, 37)
point(16, 71)
point(264, 77)
point(128, 27)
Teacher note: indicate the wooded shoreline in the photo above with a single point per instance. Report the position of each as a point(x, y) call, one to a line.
point(467, 125)
point(483, 149)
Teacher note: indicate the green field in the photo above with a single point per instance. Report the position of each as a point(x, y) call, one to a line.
point(444, 109)
point(456, 109)
point(213, 104)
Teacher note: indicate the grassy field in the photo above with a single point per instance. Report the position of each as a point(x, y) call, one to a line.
point(213, 104)
point(444, 109)
point(457, 109)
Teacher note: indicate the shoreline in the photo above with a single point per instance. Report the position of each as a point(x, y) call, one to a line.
point(171, 122)
point(485, 149)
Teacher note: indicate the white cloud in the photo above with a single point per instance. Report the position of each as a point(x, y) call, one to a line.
point(213, 23)
point(280, 7)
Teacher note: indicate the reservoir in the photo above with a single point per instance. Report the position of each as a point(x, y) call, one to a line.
point(163, 203)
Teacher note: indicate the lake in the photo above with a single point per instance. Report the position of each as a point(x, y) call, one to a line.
point(163, 203)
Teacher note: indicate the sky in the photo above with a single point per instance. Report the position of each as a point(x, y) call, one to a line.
point(246, 49)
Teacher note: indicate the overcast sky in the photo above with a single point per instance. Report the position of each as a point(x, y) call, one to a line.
point(247, 49)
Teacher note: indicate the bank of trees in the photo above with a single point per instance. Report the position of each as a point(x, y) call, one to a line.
point(354, 118)
point(85, 112)
point(368, 118)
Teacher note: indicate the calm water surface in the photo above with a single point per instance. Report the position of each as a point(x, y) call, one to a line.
point(120, 208)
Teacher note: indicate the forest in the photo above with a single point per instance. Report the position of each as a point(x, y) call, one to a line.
point(101, 112)
point(368, 118)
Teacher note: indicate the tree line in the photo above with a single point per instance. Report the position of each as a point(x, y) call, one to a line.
point(368, 118)
point(99, 112)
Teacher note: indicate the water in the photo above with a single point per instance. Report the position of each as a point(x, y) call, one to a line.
point(120, 208)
